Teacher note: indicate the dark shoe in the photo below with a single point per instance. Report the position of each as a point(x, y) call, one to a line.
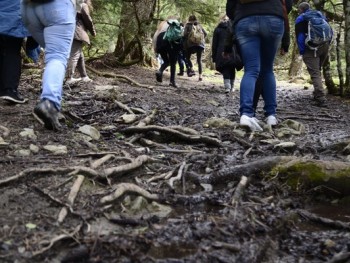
point(173, 84)
point(180, 73)
point(13, 97)
point(46, 113)
point(159, 76)
point(200, 79)
point(190, 72)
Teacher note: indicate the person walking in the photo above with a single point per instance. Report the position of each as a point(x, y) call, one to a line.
point(194, 43)
point(225, 66)
point(77, 60)
point(167, 49)
point(52, 24)
point(12, 33)
point(259, 27)
point(313, 56)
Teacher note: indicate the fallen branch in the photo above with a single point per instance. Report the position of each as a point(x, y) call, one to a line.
point(174, 133)
point(71, 197)
point(127, 188)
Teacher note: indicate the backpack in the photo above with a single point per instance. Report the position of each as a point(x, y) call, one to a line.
point(173, 32)
point(196, 35)
point(319, 31)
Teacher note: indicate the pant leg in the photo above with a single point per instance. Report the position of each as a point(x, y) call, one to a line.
point(52, 25)
point(314, 64)
point(10, 63)
point(74, 57)
point(199, 53)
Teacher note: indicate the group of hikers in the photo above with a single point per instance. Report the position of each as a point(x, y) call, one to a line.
point(249, 35)
point(60, 28)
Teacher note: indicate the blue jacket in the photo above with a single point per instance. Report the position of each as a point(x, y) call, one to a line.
point(10, 19)
point(301, 28)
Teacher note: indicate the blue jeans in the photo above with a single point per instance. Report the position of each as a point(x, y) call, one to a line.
point(52, 25)
point(259, 38)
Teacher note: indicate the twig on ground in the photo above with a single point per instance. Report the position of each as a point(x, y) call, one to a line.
point(56, 239)
point(101, 161)
point(123, 106)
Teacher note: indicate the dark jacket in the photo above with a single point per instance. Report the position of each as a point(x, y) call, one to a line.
point(220, 34)
point(84, 25)
point(236, 11)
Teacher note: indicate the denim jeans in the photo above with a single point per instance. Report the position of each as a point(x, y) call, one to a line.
point(259, 38)
point(52, 25)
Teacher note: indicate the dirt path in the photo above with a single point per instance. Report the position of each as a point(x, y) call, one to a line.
point(155, 150)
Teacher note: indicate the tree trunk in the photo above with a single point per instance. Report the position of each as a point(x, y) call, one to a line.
point(346, 6)
point(133, 39)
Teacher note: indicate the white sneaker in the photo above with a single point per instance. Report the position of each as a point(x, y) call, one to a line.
point(271, 120)
point(251, 122)
point(72, 80)
point(86, 79)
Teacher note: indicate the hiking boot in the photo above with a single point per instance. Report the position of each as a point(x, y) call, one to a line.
point(173, 84)
point(180, 73)
point(47, 114)
point(250, 122)
point(271, 120)
point(190, 72)
point(13, 97)
point(159, 76)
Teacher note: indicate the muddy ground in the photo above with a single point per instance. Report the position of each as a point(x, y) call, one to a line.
point(155, 158)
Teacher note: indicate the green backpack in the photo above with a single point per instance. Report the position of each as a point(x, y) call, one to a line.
point(174, 31)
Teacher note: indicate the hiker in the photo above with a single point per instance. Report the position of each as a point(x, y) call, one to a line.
point(12, 33)
point(52, 25)
point(258, 28)
point(313, 55)
point(194, 43)
point(77, 60)
point(181, 60)
point(224, 65)
point(168, 48)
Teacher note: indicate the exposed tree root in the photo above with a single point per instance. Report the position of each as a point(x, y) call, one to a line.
point(111, 75)
point(324, 221)
point(127, 188)
point(71, 197)
point(248, 169)
point(182, 136)
point(239, 190)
